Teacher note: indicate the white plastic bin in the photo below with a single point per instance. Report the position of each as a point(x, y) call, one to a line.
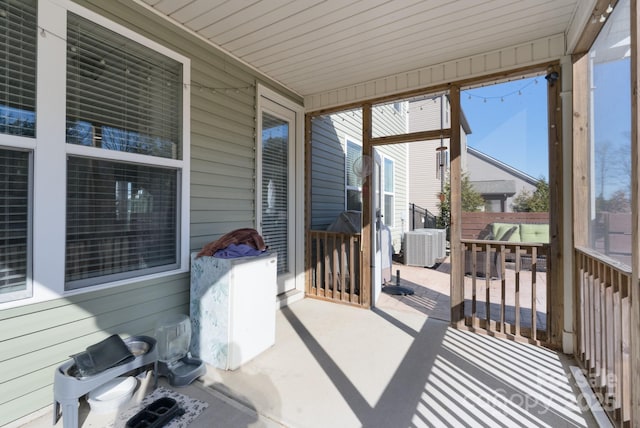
point(232, 308)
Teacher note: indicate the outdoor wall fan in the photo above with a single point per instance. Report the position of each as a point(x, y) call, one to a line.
point(362, 167)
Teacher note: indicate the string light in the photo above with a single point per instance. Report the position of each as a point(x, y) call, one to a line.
point(502, 96)
point(200, 86)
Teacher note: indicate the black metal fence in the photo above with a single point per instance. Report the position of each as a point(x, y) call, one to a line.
point(421, 218)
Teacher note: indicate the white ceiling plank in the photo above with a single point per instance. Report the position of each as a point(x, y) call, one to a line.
point(314, 28)
point(230, 16)
point(270, 26)
point(419, 25)
point(381, 62)
point(335, 35)
point(314, 46)
point(212, 8)
point(170, 6)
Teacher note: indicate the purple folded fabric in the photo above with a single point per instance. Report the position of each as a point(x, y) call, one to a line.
point(237, 250)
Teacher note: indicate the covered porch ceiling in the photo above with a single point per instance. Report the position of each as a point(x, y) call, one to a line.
point(318, 46)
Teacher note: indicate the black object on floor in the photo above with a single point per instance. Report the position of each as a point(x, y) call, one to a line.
point(156, 414)
point(397, 289)
point(103, 355)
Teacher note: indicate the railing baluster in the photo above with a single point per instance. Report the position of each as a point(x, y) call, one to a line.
point(343, 270)
point(517, 296)
point(474, 295)
point(534, 281)
point(487, 282)
point(503, 291)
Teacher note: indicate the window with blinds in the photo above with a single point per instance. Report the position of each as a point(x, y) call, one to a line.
point(121, 95)
point(354, 185)
point(121, 220)
point(18, 35)
point(122, 216)
point(15, 242)
point(389, 194)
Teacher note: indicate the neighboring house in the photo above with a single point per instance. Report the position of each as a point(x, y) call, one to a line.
point(497, 182)
point(147, 144)
point(338, 167)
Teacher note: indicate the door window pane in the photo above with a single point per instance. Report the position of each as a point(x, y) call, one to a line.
point(275, 187)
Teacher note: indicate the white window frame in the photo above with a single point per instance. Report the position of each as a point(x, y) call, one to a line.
point(50, 152)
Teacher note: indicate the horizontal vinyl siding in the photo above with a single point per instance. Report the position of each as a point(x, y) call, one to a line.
point(327, 173)
point(387, 121)
point(35, 339)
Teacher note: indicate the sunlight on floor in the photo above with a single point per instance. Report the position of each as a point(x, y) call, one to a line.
point(513, 384)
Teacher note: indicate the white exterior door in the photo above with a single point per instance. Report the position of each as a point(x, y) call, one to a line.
point(277, 190)
point(376, 219)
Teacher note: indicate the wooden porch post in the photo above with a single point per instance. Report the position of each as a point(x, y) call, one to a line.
point(581, 173)
point(307, 201)
point(555, 263)
point(455, 229)
point(367, 191)
point(634, 292)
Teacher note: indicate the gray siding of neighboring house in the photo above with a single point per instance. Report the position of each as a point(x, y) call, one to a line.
point(328, 164)
point(425, 186)
point(328, 168)
point(36, 338)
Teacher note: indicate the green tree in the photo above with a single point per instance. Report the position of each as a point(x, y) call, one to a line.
point(538, 201)
point(472, 201)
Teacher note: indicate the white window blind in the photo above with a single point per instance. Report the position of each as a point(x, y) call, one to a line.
point(354, 183)
point(275, 187)
point(121, 220)
point(15, 167)
point(18, 35)
point(121, 95)
point(389, 200)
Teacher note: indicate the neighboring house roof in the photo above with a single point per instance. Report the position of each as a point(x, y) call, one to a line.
point(498, 164)
point(495, 187)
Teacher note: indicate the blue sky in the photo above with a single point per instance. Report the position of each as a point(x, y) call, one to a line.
point(509, 122)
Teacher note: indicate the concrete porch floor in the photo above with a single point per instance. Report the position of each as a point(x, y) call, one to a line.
point(396, 365)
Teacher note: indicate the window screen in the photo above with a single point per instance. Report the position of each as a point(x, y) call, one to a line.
point(122, 220)
point(18, 35)
point(14, 224)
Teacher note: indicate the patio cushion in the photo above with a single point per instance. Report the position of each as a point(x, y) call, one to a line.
point(506, 232)
point(534, 233)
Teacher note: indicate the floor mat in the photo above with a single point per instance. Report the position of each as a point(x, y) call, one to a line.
point(192, 408)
